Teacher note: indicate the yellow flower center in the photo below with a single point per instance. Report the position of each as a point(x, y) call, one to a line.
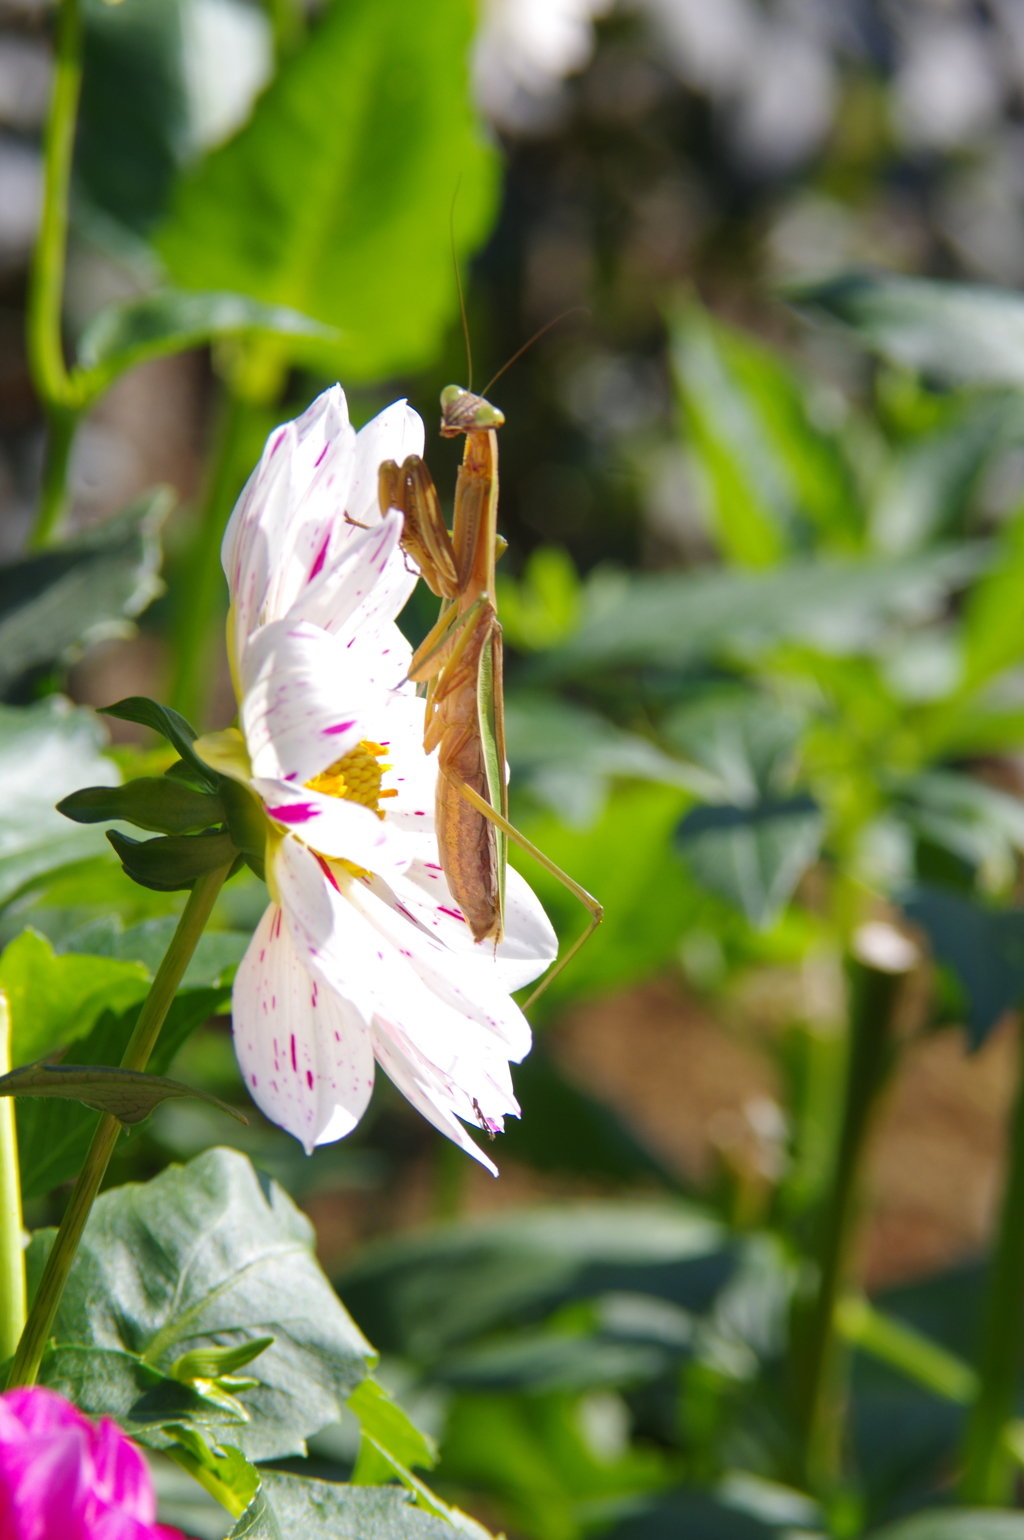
point(356, 777)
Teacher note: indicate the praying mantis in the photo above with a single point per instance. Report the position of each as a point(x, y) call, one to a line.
point(460, 660)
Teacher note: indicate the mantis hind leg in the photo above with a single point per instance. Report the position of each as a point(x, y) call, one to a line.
point(593, 908)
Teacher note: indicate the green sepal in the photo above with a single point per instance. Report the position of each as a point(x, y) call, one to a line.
point(129, 1094)
point(170, 725)
point(247, 823)
point(213, 1362)
point(174, 861)
point(165, 805)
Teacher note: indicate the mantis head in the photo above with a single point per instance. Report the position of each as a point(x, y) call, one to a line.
point(462, 412)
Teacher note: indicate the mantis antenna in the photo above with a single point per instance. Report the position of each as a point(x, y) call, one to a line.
point(458, 285)
point(575, 310)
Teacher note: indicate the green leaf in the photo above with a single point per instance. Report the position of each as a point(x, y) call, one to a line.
point(746, 744)
point(336, 202)
point(774, 479)
point(567, 756)
point(109, 1382)
point(170, 725)
point(134, 122)
point(924, 492)
point(159, 803)
point(287, 1506)
point(130, 1095)
point(993, 635)
point(421, 1295)
point(217, 952)
point(54, 999)
point(958, 331)
point(956, 1524)
point(53, 1136)
point(52, 602)
point(841, 607)
point(167, 321)
point(984, 947)
point(210, 1255)
point(753, 856)
point(174, 861)
point(222, 1469)
point(978, 824)
point(543, 607)
point(389, 1429)
point(626, 860)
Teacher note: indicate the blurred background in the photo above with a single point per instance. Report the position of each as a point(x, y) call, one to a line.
point(698, 443)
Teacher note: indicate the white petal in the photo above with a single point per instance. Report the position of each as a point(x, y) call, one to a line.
point(287, 510)
point(304, 1053)
point(393, 434)
point(529, 945)
point(334, 826)
point(303, 704)
point(338, 591)
point(425, 1098)
point(465, 981)
point(434, 1052)
point(413, 774)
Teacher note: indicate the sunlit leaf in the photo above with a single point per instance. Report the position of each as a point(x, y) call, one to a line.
point(207, 1255)
point(56, 999)
point(130, 1095)
point(53, 601)
point(168, 321)
point(336, 201)
point(958, 331)
point(286, 1506)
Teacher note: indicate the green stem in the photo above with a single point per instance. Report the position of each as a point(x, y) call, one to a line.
point(12, 1250)
point(136, 1056)
point(196, 619)
point(988, 1469)
point(53, 493)
point(46, 284)
point(875, 973)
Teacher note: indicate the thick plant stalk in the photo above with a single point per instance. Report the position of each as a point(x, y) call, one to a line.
point(12, 1250)
point(880, 958)
point(46, 286)
point(25, 1368)
point(988, 1469)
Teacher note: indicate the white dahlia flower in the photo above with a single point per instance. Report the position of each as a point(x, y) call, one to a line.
point(362, 953)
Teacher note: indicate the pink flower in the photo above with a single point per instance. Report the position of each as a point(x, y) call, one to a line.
point(63, 1477)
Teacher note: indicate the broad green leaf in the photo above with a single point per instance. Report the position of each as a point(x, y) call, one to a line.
point(109, 1382)
point(746, 744)
point(753, 856)
point(134, 118)
point(924, 493)
point(221, 1469)
point(170, 725)
point(130, 1095)
point(52, 602)
point(774, 479)
point(55, 999)
point(217, 952)
point(839, 607)
point(993, 633)
point(53, 1137)
point(542, 608)
point(984, 947)
point(626, 860)
point(531, 1455)
point(288, 1506)
point(167, 321)
point(335, 198)
point(979, 824)
point(421, 1295)
point(389, 1430)
point(956, 1524)
point(172, 861)
point(158, 803)
point(566, 1130)
point(958, 331)
point(541, 1361)
point(207, 1255)
point(567, 756)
